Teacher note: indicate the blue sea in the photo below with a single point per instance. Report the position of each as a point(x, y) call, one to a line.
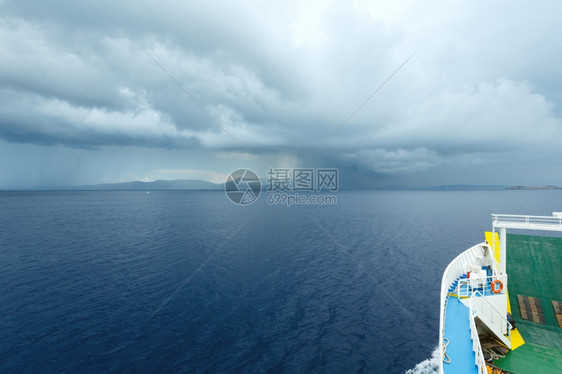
point(188, 282)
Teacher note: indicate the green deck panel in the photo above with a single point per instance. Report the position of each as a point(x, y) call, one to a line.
point(539, 334)
point(534, 267)
point(532, 359)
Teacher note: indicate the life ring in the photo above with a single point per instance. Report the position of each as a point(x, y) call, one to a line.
point(497, 289)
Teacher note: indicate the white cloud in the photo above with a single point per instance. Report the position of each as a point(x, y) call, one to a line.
point(501, 114)
point(59, 119)
point(307, 25)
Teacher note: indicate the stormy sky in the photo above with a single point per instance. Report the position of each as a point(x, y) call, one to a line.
point(390, 92)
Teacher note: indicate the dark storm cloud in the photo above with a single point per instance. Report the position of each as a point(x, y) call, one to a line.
point(96, 57)
point(480, 92)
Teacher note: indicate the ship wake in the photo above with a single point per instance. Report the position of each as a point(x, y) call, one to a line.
point(429, 366)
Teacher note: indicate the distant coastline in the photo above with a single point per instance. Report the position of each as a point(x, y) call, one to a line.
point(201, 185)
point(493, 187)
point(158, 185)
point(534, 188)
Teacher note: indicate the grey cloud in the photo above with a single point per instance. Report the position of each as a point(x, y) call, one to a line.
point(397, 161)
point(482, 87)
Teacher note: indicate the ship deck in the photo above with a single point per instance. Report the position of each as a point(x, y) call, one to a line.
point(534, 266)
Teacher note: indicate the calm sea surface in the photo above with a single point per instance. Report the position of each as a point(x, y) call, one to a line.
point(113, 282)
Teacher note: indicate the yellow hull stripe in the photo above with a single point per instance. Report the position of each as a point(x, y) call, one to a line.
point(515, 338)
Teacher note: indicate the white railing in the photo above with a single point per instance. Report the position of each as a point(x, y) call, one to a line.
point(476, 347)
point(531, 222)
point(480, 307)
point(454, 270)
point(470, 285)
point(494, 319)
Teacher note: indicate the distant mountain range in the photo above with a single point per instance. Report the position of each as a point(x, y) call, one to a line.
point(178, 184)
point(534, 188)
point(469, 187)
